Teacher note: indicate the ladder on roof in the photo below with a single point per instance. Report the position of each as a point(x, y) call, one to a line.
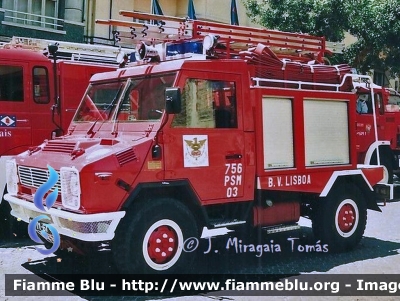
point(71, 51)
point(156, 29)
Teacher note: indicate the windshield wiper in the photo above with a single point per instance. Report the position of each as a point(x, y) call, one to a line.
point(112, 103)
point(90, 131)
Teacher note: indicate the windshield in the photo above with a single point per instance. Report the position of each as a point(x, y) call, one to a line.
point(137, 99)
point(394, 99)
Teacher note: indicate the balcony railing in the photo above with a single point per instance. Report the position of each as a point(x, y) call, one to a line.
point(28, 19)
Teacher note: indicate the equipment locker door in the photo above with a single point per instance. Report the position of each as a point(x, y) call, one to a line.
point(205, 141)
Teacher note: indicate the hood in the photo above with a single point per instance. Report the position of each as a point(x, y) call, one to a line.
point(79, 152)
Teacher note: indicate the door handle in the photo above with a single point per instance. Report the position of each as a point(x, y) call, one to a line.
point(233, 156)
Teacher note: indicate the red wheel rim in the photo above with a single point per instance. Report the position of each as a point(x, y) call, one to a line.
point(162, 244)
point(346, 218)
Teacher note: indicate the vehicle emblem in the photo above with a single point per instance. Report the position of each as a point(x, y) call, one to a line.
point(8, 120)
point(195, 150)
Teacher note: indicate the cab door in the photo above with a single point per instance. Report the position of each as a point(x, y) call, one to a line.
point(41, 104)
point(25, 108)
point(204, 144)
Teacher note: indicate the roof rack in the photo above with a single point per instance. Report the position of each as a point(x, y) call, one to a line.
point(157, 29)
point(71, 51)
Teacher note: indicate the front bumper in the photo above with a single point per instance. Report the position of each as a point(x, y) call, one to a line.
point(85, 227)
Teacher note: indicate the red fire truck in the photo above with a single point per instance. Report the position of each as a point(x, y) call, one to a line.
point(215, 129)
point(36, 104)
point(379, 133)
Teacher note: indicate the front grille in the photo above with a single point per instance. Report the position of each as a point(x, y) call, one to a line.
point(35, 177)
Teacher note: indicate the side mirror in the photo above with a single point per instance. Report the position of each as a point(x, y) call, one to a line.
point(172, 100)
point(156, 153)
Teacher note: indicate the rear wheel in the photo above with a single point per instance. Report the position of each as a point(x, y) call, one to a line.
point(340, 219)
point(150, 239)
point(387, 161)
point(388, 165)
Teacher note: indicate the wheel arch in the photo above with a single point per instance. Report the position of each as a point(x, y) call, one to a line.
point(357, 180)
point(181, 191)
point(386, 158)
point(382, 146)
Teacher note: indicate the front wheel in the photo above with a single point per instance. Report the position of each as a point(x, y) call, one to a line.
point(10, 226)
point(151, 238)
point(339, 220)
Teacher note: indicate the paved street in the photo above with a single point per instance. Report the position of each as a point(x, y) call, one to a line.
point(376, 254)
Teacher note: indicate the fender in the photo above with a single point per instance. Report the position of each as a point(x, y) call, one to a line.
point(359, 179)
point(180, 190)
point(373, 147)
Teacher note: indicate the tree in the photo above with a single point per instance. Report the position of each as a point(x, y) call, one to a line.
point(375, 24)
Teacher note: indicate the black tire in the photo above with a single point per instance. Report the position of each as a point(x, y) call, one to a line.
point(388, 164)
point(387, 160)
point(150, 238)
point(339, 220)
point(10, 227)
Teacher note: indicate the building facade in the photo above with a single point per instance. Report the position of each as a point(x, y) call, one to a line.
point(211, 10)
point(62, 20)
point(74, 20)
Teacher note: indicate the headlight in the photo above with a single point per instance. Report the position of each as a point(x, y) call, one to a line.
point(70, 187)
point(12, 176)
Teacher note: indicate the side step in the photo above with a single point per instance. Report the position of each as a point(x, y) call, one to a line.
point(281, 228)
point(220, 229)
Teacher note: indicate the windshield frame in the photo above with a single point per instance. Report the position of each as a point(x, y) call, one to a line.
point(90, 110)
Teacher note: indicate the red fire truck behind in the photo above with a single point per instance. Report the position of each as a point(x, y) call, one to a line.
point(39, 95)
point(184, 145)
point(379, 133)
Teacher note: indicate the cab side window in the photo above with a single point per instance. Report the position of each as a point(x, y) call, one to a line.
point(11, 83)
point(40, 85)
point(379, 101)
point(207, 104)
